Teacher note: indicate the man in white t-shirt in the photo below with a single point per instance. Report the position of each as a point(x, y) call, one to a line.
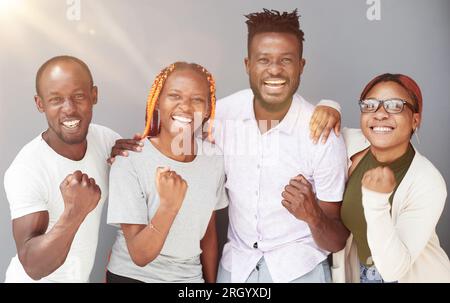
point(57, 184)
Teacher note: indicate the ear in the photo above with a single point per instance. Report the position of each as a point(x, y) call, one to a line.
point(247, 65)
point(302, 65)
point(416, 121)
point(39, 104)
point(94, 93)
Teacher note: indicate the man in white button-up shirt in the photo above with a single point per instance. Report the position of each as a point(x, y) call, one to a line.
point(279, 231)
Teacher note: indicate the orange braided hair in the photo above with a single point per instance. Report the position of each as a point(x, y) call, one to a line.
point(151, 117)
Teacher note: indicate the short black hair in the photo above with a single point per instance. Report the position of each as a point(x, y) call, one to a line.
point(58, 59)
point(274, 21)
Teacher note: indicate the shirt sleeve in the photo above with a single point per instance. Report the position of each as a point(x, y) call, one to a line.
point(127, 202)
point(330, 169)
point(222, 196)
point(25, 191)
point(395, 247)
point(330, 103)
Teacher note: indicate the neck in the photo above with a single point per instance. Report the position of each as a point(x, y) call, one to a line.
point(74, 152)
point(176, 147)
point(268, 116)
point(389, 155)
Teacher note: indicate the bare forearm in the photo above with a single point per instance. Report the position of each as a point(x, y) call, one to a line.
point(329, 234)
point(146, 245)
point(43, 254)
point(209, 259)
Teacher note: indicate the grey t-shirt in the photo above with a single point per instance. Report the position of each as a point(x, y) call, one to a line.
point(133, 199)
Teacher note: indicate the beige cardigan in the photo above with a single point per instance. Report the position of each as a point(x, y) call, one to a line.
point(404, 245)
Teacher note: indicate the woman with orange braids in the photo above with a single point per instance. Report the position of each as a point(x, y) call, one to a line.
point(394, 196)
point(164, 198)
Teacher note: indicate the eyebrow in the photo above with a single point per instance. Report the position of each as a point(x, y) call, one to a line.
point(269, 55)
point(174, 90)
point(199, 95)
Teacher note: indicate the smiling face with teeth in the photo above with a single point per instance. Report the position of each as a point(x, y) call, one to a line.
point(183, 103)
point(66, 96)
point(274, 66)
point(389, 132)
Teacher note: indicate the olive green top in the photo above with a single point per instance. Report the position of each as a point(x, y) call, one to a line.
point(352, 212)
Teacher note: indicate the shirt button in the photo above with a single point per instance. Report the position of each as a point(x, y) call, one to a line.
point(255, 245)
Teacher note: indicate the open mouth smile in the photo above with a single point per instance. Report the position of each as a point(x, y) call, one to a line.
point(275, 84)
point(182, 119)
point(382, 129)
point(71, 124)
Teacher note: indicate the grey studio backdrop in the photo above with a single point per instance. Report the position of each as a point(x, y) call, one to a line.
point(127, 42)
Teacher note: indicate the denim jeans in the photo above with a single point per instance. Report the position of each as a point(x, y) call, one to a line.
point(370, 275)
point(320, 274)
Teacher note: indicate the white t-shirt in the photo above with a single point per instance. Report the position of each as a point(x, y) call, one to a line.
point(32, 185)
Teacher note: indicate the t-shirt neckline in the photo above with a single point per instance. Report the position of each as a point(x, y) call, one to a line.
point(170, 160)
point(48, 147)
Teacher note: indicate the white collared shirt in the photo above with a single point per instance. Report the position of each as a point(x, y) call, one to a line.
point(258, 167)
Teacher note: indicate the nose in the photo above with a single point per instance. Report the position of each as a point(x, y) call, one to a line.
point(68, 107)
point(185, 105)
point(381, 114)
point(275, 68)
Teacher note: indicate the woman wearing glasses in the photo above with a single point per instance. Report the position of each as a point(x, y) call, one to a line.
point(394, 195)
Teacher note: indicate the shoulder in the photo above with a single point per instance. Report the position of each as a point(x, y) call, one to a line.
point(426, 175)
point(27, 172)
point(354, 140)
point(135, 159)
point(304, 110)
point(123, 164)
point(102, 138)
point(100, 131)
point(306, 107)
point(209, 150)
point(28, 157)
point(233, 104)
point(211, 159)
point(333, 146)
point(423, 187)
point(237, 96)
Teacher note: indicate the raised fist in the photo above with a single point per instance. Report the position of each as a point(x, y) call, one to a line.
point(380, 179)
point(171, 188)
point(80, 193)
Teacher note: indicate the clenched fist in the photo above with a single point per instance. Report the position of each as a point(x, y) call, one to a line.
point(380, 179)
point(300, 200)
point(171, 188)
point(80, 193)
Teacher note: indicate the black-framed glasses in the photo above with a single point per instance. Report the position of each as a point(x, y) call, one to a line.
point(391, 106)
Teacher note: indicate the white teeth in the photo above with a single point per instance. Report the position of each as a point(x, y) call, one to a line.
point(382, 129)
point(274, 82)
point(182, 119)
point(71, 124)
